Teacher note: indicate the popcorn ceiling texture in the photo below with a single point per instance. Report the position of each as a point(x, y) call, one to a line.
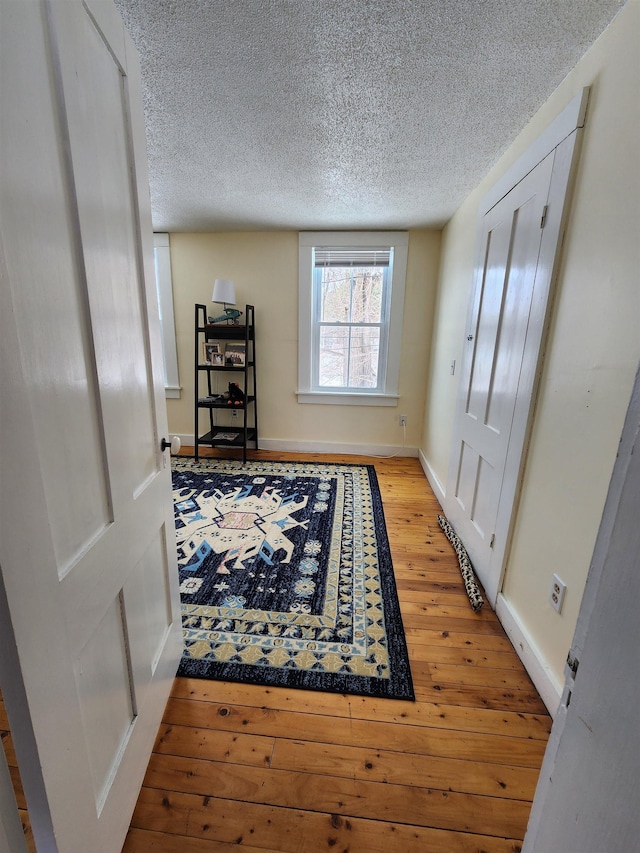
point(312, 114)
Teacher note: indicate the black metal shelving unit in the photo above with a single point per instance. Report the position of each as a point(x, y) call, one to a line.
point(210, 400)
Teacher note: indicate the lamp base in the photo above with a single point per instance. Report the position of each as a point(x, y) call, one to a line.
point(230, 317)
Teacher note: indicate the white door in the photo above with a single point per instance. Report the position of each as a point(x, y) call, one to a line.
point(522, 220)
point(89, 604)
point(587, 795)
point(510, 246)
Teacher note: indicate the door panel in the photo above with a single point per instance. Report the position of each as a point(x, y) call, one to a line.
point(485, 484)
point(489, 315)
point(87, 546)
point(102, 152)
point(106, 707)
point(511, 238)
point(148, 620)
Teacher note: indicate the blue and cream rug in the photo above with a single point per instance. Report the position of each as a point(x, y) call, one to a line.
point(286, 577)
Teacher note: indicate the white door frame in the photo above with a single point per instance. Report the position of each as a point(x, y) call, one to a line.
point(563, 136)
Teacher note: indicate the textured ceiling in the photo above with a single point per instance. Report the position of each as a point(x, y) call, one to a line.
point(313, 114)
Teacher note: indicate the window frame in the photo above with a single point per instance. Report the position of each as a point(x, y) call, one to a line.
point(164, 289)
point(386, 394)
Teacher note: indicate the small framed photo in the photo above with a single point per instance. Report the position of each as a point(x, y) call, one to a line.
point(218, 359)
point(209, 350)
point(235, 355)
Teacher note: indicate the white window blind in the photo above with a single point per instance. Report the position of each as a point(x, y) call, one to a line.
point(333, 257)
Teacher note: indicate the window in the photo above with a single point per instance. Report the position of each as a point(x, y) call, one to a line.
point(162, 257)
point(351, 303)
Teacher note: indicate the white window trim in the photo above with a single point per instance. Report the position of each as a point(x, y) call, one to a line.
point(164, 288)
point(306, 242)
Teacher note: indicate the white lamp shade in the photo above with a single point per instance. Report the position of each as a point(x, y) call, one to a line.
point(224, 291)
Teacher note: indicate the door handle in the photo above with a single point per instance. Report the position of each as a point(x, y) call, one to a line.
point(174, 445)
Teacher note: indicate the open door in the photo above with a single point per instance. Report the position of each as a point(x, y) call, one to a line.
point(587, 794)
point(91, 633)
point(520, 231)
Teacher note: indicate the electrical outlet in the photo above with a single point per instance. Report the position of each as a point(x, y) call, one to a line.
point(556, 594)
point(234, 413)
point(403, 420)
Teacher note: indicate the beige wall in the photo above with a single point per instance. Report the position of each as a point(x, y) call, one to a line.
point(594, 343)
point(264, 267)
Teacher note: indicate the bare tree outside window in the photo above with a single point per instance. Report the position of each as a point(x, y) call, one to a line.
point(351, 300)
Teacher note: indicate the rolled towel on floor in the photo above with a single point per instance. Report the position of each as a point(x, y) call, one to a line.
point(466, 569)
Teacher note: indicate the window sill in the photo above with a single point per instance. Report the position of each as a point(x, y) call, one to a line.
point(347, 399)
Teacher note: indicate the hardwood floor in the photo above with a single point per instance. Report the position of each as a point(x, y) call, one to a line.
point(7, 745)
point(269, 769)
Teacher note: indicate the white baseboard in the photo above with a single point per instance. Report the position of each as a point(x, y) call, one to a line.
point(545, 683)
point(432, 477)
point(293, 446)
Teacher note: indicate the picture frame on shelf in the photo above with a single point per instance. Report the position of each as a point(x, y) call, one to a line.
point(235, 355)
point(209, 350)
point(218, 359)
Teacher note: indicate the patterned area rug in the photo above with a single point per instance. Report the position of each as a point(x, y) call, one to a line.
point(286, 577)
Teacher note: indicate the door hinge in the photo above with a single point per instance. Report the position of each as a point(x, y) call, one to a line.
point(570, 671)
point(543, 220)
point(572, 663)
point(493, 539)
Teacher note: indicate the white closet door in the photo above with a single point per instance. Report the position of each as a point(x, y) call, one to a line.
point(520, 229)
point(510, 246)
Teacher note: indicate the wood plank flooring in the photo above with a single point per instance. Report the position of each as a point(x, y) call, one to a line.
point(7, 745)
point(269, 769)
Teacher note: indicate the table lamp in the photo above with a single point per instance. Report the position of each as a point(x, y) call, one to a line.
point(224, 291)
